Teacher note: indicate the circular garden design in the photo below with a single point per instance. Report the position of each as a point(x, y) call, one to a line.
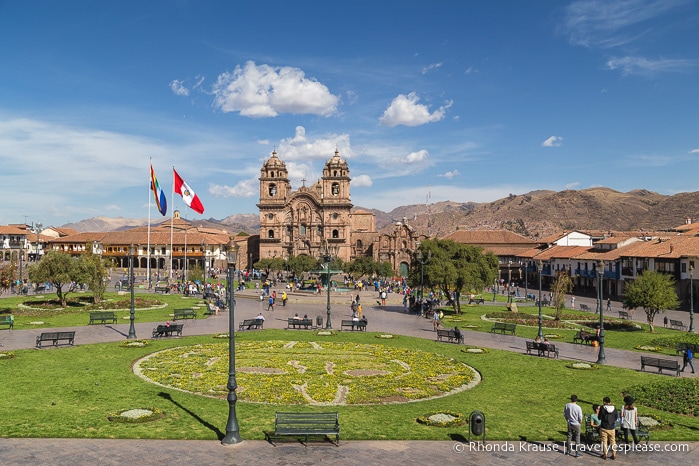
point(309, 372)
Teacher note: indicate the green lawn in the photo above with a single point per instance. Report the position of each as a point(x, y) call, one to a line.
point(69, 392)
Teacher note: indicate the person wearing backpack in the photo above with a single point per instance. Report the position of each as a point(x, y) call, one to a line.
point(687, 359)
point(608, 416)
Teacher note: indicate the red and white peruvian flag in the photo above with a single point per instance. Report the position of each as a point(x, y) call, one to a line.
point(188, 195)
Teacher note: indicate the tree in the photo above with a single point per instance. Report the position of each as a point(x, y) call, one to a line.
point(93, 271)
point(561, 285)
point(454, 268)
point(58, 268)
point(300, 264)
point(384, 269)
point(360, 267)
point(7, 275)
point(652, 291)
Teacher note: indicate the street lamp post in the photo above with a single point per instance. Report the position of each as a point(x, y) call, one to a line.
point(526, 272)
point(232, 430)
point(541, 332)
point(132, 329)
point(691, 300)
point(509, 281)
point(327, 256)
point(601, 359)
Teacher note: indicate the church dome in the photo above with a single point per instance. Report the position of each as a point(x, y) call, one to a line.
point(274, 162)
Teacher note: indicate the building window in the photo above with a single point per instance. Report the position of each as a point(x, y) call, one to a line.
point(335, 215)
point(302, 229)
point(272, 189)
point(335, 189)
point(336, 234)
point(270, 234)
point(270, 216)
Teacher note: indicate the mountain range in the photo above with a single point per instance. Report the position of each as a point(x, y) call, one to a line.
point(535, 215)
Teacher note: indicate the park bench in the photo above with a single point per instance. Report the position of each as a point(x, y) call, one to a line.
point(323, 424)
point(41, 287)
point(162, 289)
point(503, 327)
point(585, 307)
point(682, 346)
point(102, 317)
point(519, 299)
point(477, 301)
point(306, 324)
point(624, 315)
point(250, 324)
point(209, 295)
point(544, 302)
point(542, 349)
point(661, 364)
point(9, 321)
point(591, 434)
point(578, 338)
point(449, 334)
point(677, 325)
point(354, 324)
point(55, 337)
point(184, 314)
point(168, 330)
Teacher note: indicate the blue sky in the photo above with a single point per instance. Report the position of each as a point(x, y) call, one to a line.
point(426, 100)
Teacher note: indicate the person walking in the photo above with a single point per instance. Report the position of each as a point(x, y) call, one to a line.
point(609, 304)
point(435, 320)
point(270, 304)
point(574, 417)
point(687, 357)
point(608, 416)
point(284, 298)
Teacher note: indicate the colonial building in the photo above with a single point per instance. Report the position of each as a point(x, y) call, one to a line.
point(320, 216)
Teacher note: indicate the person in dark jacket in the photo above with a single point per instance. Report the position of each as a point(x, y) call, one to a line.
point(608, 417)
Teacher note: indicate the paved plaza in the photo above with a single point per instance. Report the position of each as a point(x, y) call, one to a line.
point(389, 319)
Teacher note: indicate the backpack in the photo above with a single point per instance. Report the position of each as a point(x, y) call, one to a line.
point(690, 355)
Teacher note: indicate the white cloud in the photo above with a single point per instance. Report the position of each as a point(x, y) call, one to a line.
point(450, 174)
point(415, 157)
point(694, 151)
point(470, 70)
point(245, 188)
point(405, 110)
point(266, 91)
point(605, 24)
point(573, 185)
point(433, 66)
point(553, 141)
point(641, 65)
point(362, 181)
point(178, 88)
point(301, 147)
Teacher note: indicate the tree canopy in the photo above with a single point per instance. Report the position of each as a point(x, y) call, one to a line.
point(58, 268)
point(652, 291)
point(453, 268)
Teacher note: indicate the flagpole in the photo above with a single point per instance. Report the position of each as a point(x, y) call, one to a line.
point(152, 188)
point(172, 218)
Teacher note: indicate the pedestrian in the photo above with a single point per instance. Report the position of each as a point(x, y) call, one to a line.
point(609, 304)
point(435, 320)
point(572, 302)
point(608, 416)
point(574, 416)
point(284, 298)
point(270, 304)
point(383, 297)
point(687, 357)
point(629, 420)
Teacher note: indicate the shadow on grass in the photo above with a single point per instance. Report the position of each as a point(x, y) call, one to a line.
point(201, 421)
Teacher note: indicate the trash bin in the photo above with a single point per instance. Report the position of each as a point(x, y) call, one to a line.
point(476, 423)
point(319, 321)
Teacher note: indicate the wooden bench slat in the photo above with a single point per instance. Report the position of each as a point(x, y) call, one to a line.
point(55, 337)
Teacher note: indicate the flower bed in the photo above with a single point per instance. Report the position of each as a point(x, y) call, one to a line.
point(134, 343)
point(582, 366)
point(7, 355)
point(136, 415)
point(648, 348)
point(474, 350)
point(316, 372)
point(442, 419)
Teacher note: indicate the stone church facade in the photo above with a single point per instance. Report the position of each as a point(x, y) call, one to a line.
point(306, 221)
